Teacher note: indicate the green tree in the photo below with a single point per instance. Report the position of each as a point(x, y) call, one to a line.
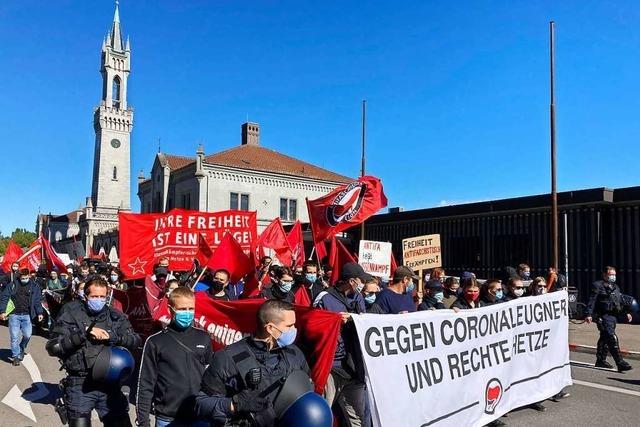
point(20, 236)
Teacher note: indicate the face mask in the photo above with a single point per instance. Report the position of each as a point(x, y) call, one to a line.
point(114, 278)
point(472, 296)
point(287, 337)
point(81, 293)
point(286, 286)
point(518, 292)
point(218, 286)
point(526, 275)
point(311, 277)
point(183, 318)
point(24, 281)
point(499, 294)
point(439, 296)
point(359, 287)
point(541, 291)
point(96, 304)
point(611, 278)
point(370, 299)
point(15, 269)
point(410, 287)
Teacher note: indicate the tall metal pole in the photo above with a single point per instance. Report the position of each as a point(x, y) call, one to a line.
point(552, 117)
point(362, 170)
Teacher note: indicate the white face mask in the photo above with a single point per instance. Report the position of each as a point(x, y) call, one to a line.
point(518, 292)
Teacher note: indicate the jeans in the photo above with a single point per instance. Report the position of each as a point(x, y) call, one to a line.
point(169, 422)
point(19, 323)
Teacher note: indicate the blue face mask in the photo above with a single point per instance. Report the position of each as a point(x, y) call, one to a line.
point(311, 277)
point(96, 304)
point(370, 299)
point(183, 318)
point(287, 337)
point(410, 287)
point(526, 275)
point(25, 281)
point(439, 296)
point(499, 294)
point(286, 286)
point(80, 293)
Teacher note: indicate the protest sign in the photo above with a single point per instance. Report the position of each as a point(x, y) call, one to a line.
point(476, 364)
point(419, 253)
point(144, 238)
point(375, 258)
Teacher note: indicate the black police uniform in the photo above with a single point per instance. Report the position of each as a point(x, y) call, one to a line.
point(606, 305)
point(71, 343)
point(249, 375)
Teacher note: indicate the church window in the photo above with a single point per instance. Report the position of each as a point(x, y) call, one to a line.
point(288, 209)
point(115, 92)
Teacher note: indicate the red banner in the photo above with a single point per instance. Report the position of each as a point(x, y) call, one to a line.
point(344, 207)
point(228, 322)
point(144, 238)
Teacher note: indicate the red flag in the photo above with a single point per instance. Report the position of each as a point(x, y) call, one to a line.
point(11, 255)
point(140, 305)
point(32, 258)
point(274, 237)
point(296, 244)
point(53, 260)
point(338, 256)
point(344, 207)
point(321, 251)
point(394, 264)
point(301, 297)
point(229, 255)
point(204, 251)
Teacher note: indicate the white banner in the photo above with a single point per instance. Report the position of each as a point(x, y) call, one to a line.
point(375, 258)
point(443, 368)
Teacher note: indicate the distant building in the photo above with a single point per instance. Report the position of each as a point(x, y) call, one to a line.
point(246, 177)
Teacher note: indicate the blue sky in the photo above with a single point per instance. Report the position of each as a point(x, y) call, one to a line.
point(457, 92)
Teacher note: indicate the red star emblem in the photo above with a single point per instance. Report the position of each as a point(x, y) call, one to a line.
point(137, 265)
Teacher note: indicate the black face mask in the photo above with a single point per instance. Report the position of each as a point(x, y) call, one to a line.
point(217, 286)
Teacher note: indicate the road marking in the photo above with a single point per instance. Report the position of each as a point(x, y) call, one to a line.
point(15, 401)
point(607, 388)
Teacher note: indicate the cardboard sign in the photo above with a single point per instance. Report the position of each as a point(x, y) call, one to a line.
point(419, 253)
point(375, 257)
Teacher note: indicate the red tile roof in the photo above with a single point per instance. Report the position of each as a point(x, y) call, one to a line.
point(255, 157)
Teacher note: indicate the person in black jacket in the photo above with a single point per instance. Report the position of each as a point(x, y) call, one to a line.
point(310, 280)
point(26, 297)
point(173, 362)
point(282, 289)
point(491, 292)
point(470, 297)
point(10, 275)
point(240, 386)
point(434, 296)
point(83, 329)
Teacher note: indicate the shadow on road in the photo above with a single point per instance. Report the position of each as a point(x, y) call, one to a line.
point(53, 392)
point(625, 381)
point(5, 355)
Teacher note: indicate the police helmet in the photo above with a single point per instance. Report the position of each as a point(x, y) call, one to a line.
point(309, 410)
point(114, 365)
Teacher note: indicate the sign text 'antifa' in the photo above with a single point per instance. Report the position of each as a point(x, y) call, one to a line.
point(389, 341)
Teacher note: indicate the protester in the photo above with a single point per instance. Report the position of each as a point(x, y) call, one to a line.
point(262, 272)
point(116, 279)
point(55, 283)
point(83, 275)
point(515, 288)
point(345, 389)
point(370, 293)
point(172, 285)
point(232, 391)
point(555, 280)
point(451, 286)
point(538, 286)
point(491, 292)
point(282, 287)
point(80, 347)
point(10, 276)
point(434, 296)
point(172, 366)
point(310, 280)
point(234, 290)
point(398, 296)
point(25, 297)
point(524, 271)
point(470, 296)
point(606, 305)
point(218, 289)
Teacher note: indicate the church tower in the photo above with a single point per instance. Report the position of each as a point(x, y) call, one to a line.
point(113, 122)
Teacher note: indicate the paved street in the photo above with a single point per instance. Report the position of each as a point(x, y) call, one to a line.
point(598, 397)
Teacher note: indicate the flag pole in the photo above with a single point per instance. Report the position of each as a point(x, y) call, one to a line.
point(362, 170)
point(552, 119)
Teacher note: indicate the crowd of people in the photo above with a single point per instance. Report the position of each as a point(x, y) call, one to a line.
point(184, 383)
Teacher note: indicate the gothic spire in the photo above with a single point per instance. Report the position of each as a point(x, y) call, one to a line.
point(115, 37)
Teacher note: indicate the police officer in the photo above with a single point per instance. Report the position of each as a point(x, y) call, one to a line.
point(241, 384)
point(606, 304)
point(82, 331)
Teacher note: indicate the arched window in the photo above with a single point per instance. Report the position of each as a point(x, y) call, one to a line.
point(115, 172)
point(115, 92)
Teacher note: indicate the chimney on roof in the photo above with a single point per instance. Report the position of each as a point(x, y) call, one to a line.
point(250, 133)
